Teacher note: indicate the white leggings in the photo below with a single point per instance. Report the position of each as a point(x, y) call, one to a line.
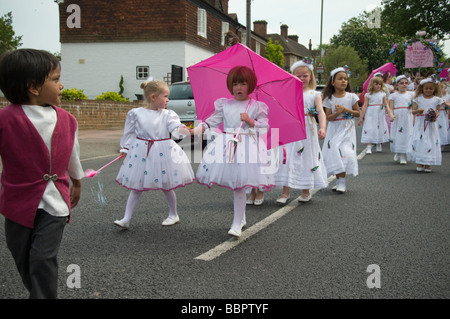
point(240, 198)
point(133, 200)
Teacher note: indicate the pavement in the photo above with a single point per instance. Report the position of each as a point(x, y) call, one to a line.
point(99, 143)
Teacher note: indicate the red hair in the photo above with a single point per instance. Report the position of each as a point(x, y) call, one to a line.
point(241, 74)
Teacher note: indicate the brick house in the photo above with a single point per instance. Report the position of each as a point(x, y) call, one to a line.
point(103, 40)
point(293, 51)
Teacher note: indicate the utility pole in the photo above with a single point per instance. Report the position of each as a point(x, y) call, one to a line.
point(321, 24)
point(248, 30)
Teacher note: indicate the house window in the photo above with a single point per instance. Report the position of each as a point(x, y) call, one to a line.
point(142, 72)
point(225, 29)
point(201, 22)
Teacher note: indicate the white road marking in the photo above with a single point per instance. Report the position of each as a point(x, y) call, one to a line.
point(233, 242)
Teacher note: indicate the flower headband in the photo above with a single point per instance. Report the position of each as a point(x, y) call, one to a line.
point(428, 80)
point(401, 77)
point(305, 62)
point(340, 69)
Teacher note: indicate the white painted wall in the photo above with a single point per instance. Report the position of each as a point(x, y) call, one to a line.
point(104, 63)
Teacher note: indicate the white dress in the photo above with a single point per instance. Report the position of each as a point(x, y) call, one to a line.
point(301, 162)
point(339, 146)
point(425, 146)
point(154, 161)
point(401, 128)
point(375, 128)
point(240, 165)
point(442, 123)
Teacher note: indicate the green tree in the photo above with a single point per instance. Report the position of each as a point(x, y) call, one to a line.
point(371, 44)
point(274, 53)
point(345, 55)
point(406, 17)
point(8, 40)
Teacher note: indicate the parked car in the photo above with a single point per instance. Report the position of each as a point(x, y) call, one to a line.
point(181, 100)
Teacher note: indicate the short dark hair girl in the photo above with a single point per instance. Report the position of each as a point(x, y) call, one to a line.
point(241, 74)
point(329, 89)
point(21, 69)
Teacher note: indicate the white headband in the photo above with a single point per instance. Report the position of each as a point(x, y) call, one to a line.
point(378, 73)
point(401, 77)
point(340, 69)
point(428, 80)
point(301, 63)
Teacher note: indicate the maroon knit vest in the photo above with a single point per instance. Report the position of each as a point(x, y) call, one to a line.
point(27, 166)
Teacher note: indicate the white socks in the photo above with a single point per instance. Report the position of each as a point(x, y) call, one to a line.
point(240, 199)
point(133, 200)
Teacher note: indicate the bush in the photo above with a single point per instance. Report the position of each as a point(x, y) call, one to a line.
point(73, 94)
point(111, 96)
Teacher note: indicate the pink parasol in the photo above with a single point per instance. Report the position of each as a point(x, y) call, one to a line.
point(388, 67)
point(281, 91)
point(444, 74)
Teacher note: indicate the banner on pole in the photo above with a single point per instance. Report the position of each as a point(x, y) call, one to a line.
point(418, 56)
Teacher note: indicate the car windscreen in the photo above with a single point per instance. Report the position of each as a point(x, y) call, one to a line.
point(181, 92)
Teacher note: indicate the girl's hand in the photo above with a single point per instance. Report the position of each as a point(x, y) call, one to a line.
point(339, 109)
point(322, 133)
point(360, 121)
point(123, 155)
point(392, 117)
point(420, 111)
point(247, 119)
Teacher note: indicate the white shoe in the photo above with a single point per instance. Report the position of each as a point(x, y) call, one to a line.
point(250, 201)
point(403, 160)
point(379, 147)
point(171, 221)
point(234, 232)
point(341, 187)
point(282, 200)
point(420, 169)
point(427, 170)
point(396, 157)
point(369, 150)
point(122, 224)
point(303, 199)
point(258, 202)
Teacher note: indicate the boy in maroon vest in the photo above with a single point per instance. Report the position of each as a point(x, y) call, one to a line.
point(39, 150)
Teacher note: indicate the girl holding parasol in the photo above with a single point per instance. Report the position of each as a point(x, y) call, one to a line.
point(235, 158)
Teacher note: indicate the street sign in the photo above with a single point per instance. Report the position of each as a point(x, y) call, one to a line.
point(320, 68)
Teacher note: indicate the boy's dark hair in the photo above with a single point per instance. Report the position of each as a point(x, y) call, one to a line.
point(23, 68)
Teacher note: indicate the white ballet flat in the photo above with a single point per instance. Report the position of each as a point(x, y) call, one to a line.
point(171, 221)
point(283, 200)
point(121, 224)
point(235, 233)
point(304, 200)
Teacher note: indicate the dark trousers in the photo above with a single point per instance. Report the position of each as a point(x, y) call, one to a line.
point(35, 252)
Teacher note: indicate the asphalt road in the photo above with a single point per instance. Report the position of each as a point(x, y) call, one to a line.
point(391, 216)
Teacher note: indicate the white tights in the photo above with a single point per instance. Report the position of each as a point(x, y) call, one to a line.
point(133, 200)
point(240, 198)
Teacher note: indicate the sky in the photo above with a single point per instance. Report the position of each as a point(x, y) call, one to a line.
point(38, 20)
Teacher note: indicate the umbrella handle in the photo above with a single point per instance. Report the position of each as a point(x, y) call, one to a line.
point(237, 132)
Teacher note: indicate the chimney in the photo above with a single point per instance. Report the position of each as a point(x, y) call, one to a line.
point(225, 6)
point(284, 31)
point(293, 37)
point(260, 27)
point(310, 45)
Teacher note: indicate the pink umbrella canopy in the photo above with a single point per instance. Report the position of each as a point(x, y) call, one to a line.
point(444, 74)
point(388, 67)
point(281, 91)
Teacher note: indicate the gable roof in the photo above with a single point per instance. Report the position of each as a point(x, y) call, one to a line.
point(290, 46)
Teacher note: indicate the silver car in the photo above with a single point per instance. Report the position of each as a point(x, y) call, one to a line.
point(181, 100)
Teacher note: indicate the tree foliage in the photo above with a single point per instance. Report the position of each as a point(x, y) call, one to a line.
point(8, 40)
point(274, 53)
point(406, 17)
point(372, 44)
point(345, 55)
